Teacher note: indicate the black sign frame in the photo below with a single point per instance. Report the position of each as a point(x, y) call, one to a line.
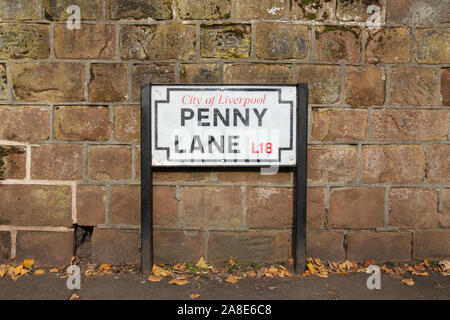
point(300, 169)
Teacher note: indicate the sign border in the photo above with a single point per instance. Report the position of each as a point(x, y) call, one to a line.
point(300, 185)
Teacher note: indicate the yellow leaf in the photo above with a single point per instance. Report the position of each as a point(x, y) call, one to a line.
point(39, 272)
point(104, 267)
point(180, 267)
point(18, 269)
point(306, 273)
point(201, 263)
point(181, 281)
point(426, 263)
point(195, 296)
point(317, 261)
point(251, 273)
point(231, 261)
point(54, 270)
point(3, 270)
point(154, 278)
point(74, 296)
point(311, 268)
point(160, 272)
point(24, 271)
point(28, 263)
point(232, 279)
point(409, 282)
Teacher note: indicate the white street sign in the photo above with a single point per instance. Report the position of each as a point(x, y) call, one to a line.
point(223, 125)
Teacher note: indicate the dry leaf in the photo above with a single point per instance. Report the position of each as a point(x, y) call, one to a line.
point(160, 272)
point(24, 271)
point(28, 263)
point(426, 263)
point(54, 270)
point(18, 269)
point(39, 272)
point(3, 270)
point(195, 296)
point(180, 267)
point(251, 273)
point(179, 281)
point(317, 261)
point(273, 271)
point(104, 267)
point(445, 265)
point(215, 270)
point(306, 273)
point(368, 263)
point(232, 279)
point(409, 282)
point(201, 263)
point(311, 268)
point(231, 261)
point(74, 296)
point(154, 278)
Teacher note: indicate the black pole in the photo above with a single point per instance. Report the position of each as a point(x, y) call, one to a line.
point(300, 178)
point(146, 182)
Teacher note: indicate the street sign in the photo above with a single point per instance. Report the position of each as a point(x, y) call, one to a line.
point(223, 125)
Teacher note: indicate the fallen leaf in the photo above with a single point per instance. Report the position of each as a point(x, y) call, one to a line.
point(306, 273)
point(232, 279)
point(18, 269)
point(179, 281)
point(215, 270)
point(154, 278)
point(368, 263)
point(24, 271)
point(231, 261)
point(409, 282)
point(74, 296)
point(104, 267)
point(195, 296)
point(426, 263)
point(201, 263)
point(445, 265)
point(54, 270)
point(273, 271)
point(3, 270)
point(180, 267)
point(317, 261)
point(28, 263)
point(311, 268)
point(160, 272)
point(39, 272)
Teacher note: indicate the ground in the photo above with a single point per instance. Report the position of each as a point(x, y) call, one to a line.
point(133, 286)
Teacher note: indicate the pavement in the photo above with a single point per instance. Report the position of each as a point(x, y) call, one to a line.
point(126, 286)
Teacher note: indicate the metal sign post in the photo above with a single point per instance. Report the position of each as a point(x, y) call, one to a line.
point(263, 126)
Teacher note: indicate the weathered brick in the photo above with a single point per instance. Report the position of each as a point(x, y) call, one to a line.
point(126, 205)
point(108, 82)
point(56, 10)
point(324, 82)
point(5, 246)
point(115, 247)
point(394, 164)
point(389, 45)
point(161, 42)
point(204, 9)
point(200, 73)
point(257, 73)
point(445, 214)
point(320, 10)
point(355, 10)
point(12, 162)
point(19, 10)
point(400, 125)
point(91, 205)
point(379, 246)
point(127, 123)
point(181, 176)
point(438, 169)
point(35, 205)
point(411, 208)
point(328, 246)
point(48, 249)
point(315, 207)
point(3, 83)
point(26, 124)
point(432, 46)
point(413, 86)
point(332, 164)
point(109, 163)
point(57, 162)
point(20, 41)
point(417, 11)
point(339, 124)
point(432, 245)
point(92, 41)
point(81, 123)
point(174, 246)
point(365, 86)
point(445, 86)
point(338, 44)
point(211, 206)
point(45, 81)
point(356, 208)
point(139, 9)
point(260, 9)
point(276, 40)
point(229, 41)
point(154, 73)
point(255, 246)
point(252, 176)
point(269, 208)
